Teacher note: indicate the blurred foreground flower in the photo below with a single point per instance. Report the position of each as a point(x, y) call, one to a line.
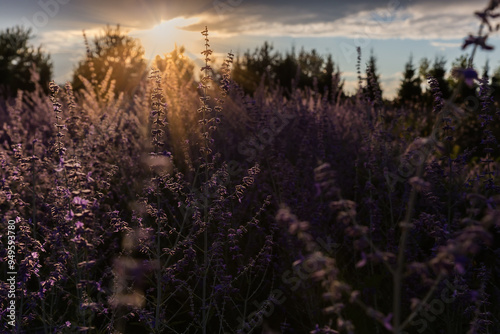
point(479, 41)
point(467, 74)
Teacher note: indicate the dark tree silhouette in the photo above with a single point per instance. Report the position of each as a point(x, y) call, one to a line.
point(249, 69)
point(372, 89)
point(116, 51)
point(18, 60)
point(495, 84)
point(465, 90)
point(307, 69)
point(330, 80)
point(409, 90)
point(286, 70)
point(437, 71)
point(311, 66)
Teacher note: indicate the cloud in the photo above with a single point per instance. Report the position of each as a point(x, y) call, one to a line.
point(424, 19)
point(45, 15)
point(65, 41)
point(445, 45)
point(374, 19)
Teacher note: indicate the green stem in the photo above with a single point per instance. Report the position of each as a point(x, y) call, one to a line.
point(398, 274)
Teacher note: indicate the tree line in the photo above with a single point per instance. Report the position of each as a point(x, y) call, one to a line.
point(121, 57)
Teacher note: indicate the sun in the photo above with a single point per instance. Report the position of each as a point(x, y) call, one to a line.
point(163, 37)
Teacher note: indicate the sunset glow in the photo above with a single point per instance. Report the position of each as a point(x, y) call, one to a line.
point(163, 37)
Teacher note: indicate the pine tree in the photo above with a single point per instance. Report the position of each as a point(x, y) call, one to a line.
point(330, 79)
point(437, 71)
point(461, 88)
point(495, 85)
point(409, 90)
point(372, 90)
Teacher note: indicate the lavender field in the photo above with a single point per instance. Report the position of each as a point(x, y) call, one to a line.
point(256, 196)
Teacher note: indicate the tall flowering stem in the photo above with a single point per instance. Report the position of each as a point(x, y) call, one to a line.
point(60, 149)
point(158, 106)
point(358, 69)
point(489, 140)
point(205, 150)
point(205, 110)
point(158, 111)
point(90, 62)
point(54, 89)
point(225, 83)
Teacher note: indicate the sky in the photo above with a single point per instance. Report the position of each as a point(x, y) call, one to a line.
point(393, 30)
